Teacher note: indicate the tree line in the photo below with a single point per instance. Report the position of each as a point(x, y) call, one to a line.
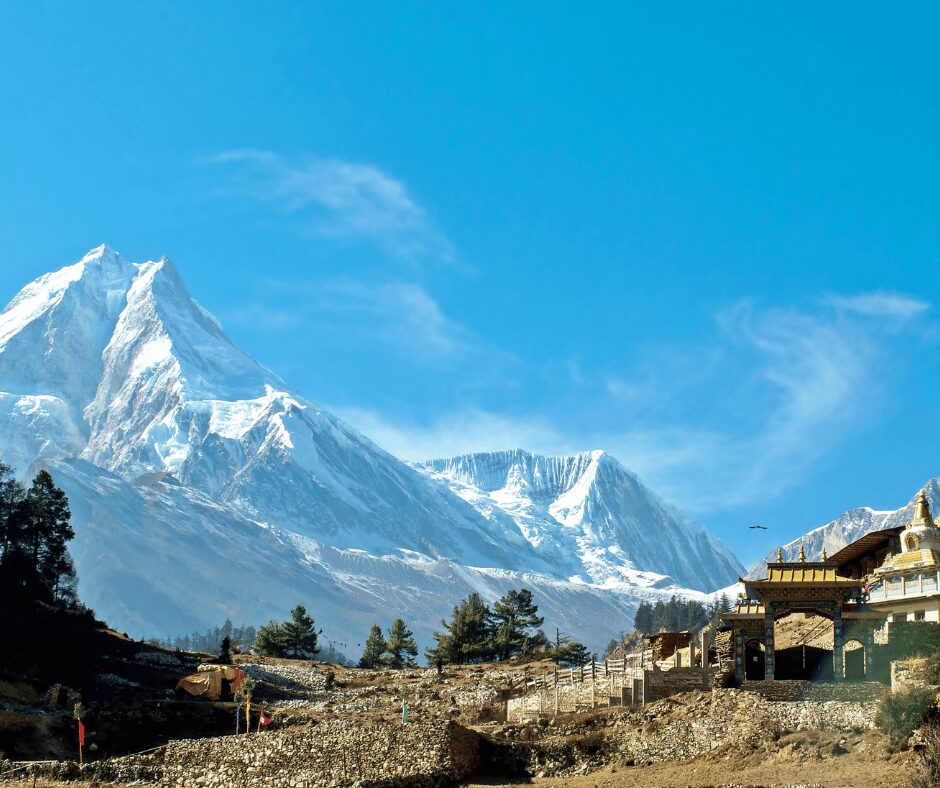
point(678, 615)
point(398, 650)
point(478, 633)
point(475, 632)
point(35, 528)
point(35, 565)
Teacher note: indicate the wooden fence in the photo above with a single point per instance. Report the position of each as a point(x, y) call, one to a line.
point(613, 682)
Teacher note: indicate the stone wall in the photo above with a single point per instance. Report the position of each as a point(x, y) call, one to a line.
point(339, 752)
point(676, 729)
point(908, 673)
point(818, 691)
point(663, 683)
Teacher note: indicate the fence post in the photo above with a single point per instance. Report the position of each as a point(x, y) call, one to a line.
point(593, 684)
point(556, 698)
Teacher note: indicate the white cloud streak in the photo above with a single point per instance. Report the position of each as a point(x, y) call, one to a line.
point(792, 384)
point(880, 304)
point(341, 199)
point(401, 314)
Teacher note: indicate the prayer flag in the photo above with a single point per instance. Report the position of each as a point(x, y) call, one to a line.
point(81, 734)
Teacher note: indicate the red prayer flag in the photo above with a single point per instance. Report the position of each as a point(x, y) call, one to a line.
point(81, 734)
point(265, 720)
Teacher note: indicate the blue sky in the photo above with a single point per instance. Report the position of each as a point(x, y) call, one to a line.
point(701, 236)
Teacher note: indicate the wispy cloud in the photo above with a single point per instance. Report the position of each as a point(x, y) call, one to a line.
point(880, 304)
point(402, 314)
point(777, 389)
point(456, 433)
point(340, 199)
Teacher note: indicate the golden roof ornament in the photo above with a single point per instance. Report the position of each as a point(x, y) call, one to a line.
point(922, 510)
point(779, 555)
point(802, 555)
point(824, 556)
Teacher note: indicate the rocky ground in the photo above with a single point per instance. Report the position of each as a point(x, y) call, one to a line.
point(723, 737)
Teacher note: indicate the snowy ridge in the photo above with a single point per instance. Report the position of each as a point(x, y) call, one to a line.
point(847, 528)
point(591, 516)
point(191, 466)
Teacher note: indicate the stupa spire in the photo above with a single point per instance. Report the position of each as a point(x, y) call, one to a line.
point(922, 510)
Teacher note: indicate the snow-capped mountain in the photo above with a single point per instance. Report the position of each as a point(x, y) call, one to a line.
point(590, 517)
point(202, 486)
point(850, 526)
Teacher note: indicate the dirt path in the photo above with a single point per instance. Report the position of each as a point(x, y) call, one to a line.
point(847, 771)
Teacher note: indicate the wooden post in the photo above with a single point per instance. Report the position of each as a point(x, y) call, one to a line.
point(593, 685)
point(556, 698)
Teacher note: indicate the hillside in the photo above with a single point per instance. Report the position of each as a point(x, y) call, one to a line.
point(203, 487)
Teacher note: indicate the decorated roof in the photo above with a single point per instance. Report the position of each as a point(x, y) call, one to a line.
point(912, 559)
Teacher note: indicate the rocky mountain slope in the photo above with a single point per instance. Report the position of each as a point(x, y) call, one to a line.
point(203, 487)
point(591, 515)
point(850, 526)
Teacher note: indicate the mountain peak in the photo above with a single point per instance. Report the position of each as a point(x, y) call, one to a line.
point(589, 515)
point(101, 252)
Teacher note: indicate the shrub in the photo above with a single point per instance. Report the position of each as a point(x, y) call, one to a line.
point(928, 775)
point(901, 713)
point(932, 668)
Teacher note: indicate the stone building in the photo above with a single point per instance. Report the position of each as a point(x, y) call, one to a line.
point(905, 585)
point(886, 576)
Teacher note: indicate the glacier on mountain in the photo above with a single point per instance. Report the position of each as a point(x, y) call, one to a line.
point(203, 487)
point(589, 516)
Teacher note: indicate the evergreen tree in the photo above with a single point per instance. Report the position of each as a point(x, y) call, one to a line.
point(643, 620)
point(539, 641)
point(400, 646)
point(513, 615)
point(612, 645)
point(570, 653)
point(300, 635)
point(466, 637)
point(35, 529)
point(270, 640)
point(374, 651)
point(330, 653)
point(11, 495)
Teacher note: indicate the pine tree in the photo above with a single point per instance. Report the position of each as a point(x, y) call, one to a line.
point(612, 645)
point(724, 603)
point(375, 649)
point(643, 620)
point(48, 530)
point(270, 640)
point(35, 529)
point(466, 637)
point(11, 494)
point(400, 647)
point(570, 653)
point(300, 635)
point(513, 615)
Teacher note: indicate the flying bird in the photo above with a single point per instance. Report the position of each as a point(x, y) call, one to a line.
point(762, 527)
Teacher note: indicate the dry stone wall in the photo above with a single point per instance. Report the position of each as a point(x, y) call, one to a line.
point(680, 728)
point(335, 753)
point(908, 673)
